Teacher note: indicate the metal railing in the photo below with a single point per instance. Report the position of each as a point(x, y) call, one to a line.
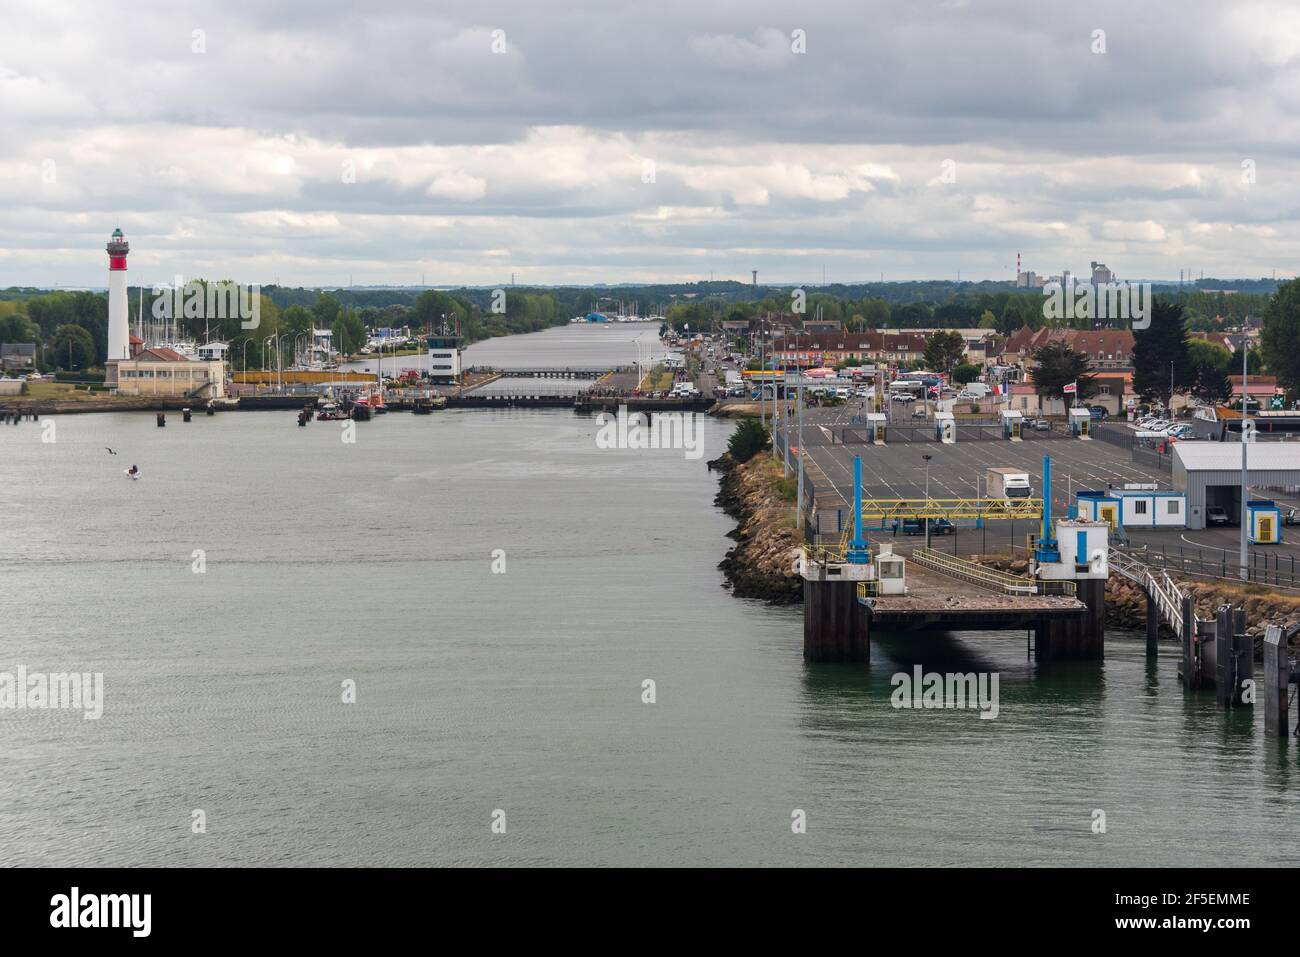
point(1262, 568)
point(1164, 591)
point(836, 553)
point(886, 509)
point(898, 432)
point(986, 577)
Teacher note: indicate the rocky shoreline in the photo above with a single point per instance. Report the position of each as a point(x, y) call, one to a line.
point(761, 564)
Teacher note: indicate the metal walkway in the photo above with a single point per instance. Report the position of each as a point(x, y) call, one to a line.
point(1164, 591)
point(986, 577)
point(887, 509)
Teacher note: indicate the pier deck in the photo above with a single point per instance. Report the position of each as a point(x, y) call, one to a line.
point(937, 602)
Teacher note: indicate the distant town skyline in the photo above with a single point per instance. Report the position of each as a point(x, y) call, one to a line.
point(628, 146)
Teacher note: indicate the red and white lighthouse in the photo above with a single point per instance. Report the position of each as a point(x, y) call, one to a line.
point(119, 326)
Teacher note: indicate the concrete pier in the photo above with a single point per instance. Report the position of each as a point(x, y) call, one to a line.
point(1077, 638)
point(836, 626)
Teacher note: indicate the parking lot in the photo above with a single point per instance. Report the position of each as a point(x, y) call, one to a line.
point(958, 471)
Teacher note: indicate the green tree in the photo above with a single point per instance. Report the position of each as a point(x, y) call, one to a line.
point(326, 308)
point(876, 313)
point(1210, 382)
point(965, 372)
point(1202, 353)
point(298, 321)
point(18, 328)
point(1280, 337)
point(944, 350)
point(1058, 366)
point(433, 308)
point(1160, 354)
point(71, 347)
point(748, 440)
point(349, 333)
point(988, 320)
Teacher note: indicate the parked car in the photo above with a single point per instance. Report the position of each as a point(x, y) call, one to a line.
point(1292, 517)
point(918, 412)
point(916, 526)
point(1040, 425)
point(1217, 515)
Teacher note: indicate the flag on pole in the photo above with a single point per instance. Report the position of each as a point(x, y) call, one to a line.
point(1071, 389)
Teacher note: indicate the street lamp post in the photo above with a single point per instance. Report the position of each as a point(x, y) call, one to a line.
point(1245, 513)
point(927, 458)
point(799, 461)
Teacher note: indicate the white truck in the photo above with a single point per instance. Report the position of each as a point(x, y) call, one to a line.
point(1007, 484)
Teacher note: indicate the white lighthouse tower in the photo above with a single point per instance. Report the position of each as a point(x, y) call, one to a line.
point(119, 327)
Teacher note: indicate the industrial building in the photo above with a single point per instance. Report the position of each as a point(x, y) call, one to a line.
point(1210, 473)
point(1146, 507)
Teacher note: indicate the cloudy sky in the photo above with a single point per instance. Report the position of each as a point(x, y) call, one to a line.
point(461, 142)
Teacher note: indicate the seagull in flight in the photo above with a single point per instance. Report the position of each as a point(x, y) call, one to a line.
point(110, 451)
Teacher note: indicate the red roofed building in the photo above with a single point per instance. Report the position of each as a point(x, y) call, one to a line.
point(1105, 348)
point(815, 348)
point(1261, 388)
point(165, 372)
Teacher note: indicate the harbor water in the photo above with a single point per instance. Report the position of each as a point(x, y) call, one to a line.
point(499, 590)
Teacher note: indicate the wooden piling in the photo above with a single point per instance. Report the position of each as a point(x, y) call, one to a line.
point(1277, 666)
point(1153, 624)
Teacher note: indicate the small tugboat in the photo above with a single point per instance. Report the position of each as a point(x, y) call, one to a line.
point(330, 412)
point(426, 404)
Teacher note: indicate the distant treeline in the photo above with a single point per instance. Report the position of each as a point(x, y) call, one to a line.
point(32, 315)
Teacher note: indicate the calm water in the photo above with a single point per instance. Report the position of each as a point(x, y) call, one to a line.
point(522, 691)
point(578, 344)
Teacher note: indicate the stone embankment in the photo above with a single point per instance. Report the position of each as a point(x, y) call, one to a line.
point(1126, 605)
point(761, 565)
